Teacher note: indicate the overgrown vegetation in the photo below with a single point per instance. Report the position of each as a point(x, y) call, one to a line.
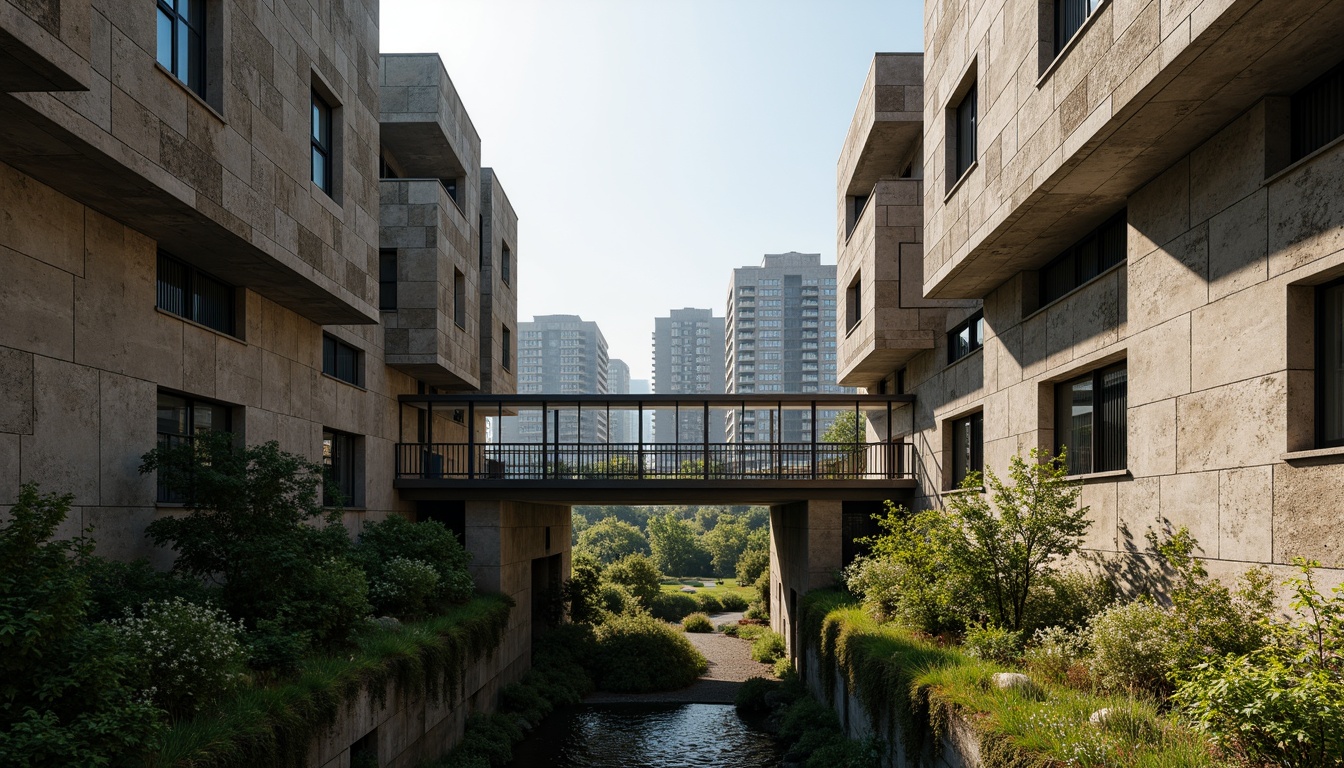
point(809, 731)
point(683, 541)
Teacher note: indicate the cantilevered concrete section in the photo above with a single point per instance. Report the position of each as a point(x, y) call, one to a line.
point(697, 468)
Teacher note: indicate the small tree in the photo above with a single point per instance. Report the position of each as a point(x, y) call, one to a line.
point(847, 429)
point(638, 574)
point(1034, 523)
point(676, 550)
point(726, 542)
point(612, 539)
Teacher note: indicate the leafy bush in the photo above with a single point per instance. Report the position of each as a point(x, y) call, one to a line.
point(910, 576)
point(582, 589)
point(188, 654)
point(757, 611)
point(612, 539)
point(754, 561)
point(638, 574)
point(271, 647)
point(751, 697)
point(66, 696)
point(330, 603)
point(627, 644)
point(708, 602)
point(676, 549)
point(673, 606)
point(430, 542)
point(1069, 599)
point(115, 587)
point(783, 667)
point(697, 622)
point(1131, 647)
point(616, 599)
point(403, 587)
point(768, 647)
point(1281, 704)
point(992, 643)
point(730, 630)
point(731, 601)
point(1055, 652)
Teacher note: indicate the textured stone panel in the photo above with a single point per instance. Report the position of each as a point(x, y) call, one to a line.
point(62, 451)
point(1100, 498)
point(40, 222)
point(1246, 514)
point(36, 300)
point(1232, 426)
point(1151, 440)
point(1191, 500)
point(1238, 337)
point(127, 429)
point(1308, 515)
point(1238, 246)
point(1171, 280)
point(16, 384)
point(1159, 362)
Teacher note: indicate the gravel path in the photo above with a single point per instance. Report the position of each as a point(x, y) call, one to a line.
point(729, 664)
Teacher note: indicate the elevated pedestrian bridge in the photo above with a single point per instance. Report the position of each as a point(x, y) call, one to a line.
point(560, 452)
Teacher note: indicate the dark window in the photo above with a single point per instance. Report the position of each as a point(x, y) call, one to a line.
point(854, 303)
point(1090, 420)
point(459, 298)
point(450, 186)
point(180, 420)
point(484, 242)
point(968, 336)
point(1070, 15)
point(321, 143)
point(387, 280)
point(338, 458)
point(506, 343)
point(900, 382)
point(1098, 251)
point(1330, 364)
point(182, 41)
point(966, 118)
point(505, 257)
point(968, 447)
point(1318, 113)
point(856, 205)
point(187, 292)
point(385, 169)
point(340, 360)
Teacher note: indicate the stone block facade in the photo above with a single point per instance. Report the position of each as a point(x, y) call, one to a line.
point(1174, 120)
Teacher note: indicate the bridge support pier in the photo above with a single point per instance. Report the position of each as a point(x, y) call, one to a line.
point(806, 551)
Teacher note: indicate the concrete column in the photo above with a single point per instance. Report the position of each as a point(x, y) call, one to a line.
point(805, 554)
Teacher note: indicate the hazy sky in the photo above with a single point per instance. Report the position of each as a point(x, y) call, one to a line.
point(650, 147)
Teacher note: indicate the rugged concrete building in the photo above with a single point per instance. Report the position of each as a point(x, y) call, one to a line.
point(236, 218)
point(780, 337)
point(560, 355)
point(687, 360)
point(622, 427)
point(1130, 248)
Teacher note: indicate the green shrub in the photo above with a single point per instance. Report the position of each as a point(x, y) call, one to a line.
point(729, 629)
point(189, 655)
point(757, 612)
point(768, 647)
point(708, 602)
point(637, 574)
point(733, 602)
point(1069, 599)
point(629, 644)
point(762, 585)
point(1054, 652)
point(754, 561)
point(992, 643)
point(1282, 704)
point(910, 578)
point(697, 622)
point(274, 648)
point(581, 592)
point(403, 587)
point(430, 542)
point(329, 604)
point(616, 599)
point(66, 692)
point(751, 697)
point(1131, 647)
point(115, 587)
point(783, 667)
point(673, 606)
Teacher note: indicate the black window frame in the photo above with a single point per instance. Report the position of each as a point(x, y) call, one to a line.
point(969, 457)
point(338, 464)
point(966, 119)
point(506, 343)
point(1090, 257)
point(1329, 332)
point(854, 302)
point(459, 299)
point(169, 439)
point(1317, 113)
point(1069, 22)
point(387, 280)
point(1108, 437)
point(194, 27)
point(195, 295)
point(320, 132)
point(342, 360)
point(505, 267)
point(974, 327)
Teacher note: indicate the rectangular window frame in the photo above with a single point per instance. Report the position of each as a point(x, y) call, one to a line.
point(459, 299)
point(973, 330)
point(1092, 256)
point(1329, 352)
point(968, 447)
point(192, 406)
point(340, 462)
point(853, 302)
point(387, 280)
point(1317, 114)
point(1070, 18)
point(342, 360)
point(320, 132)
point(191, 294)
point(505, 265)
point(1108, 438)
point(506, 344)
point(967, 118)
point(193, 25)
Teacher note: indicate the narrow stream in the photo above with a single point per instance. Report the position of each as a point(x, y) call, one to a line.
point(646, 736)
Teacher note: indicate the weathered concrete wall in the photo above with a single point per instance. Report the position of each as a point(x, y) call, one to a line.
point(499, 299)
point(805, 554)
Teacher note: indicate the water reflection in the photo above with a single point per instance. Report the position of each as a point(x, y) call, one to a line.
point(651, 736)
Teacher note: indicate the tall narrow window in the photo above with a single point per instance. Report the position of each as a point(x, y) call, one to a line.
point(387, 280)
point(968, 447)
point(321, 135)
point(459, 298)
point(966, 337)
point(1070, 15)
point(1090, 420)
point(1330, 364)
point(966, 120)
point(187, 292)
point(506, 344)
point(338, 459)
point(341, 361)
point(853, 302)
point(180, 420)
point(505, 265)
point(181, 41)
point(1318, 113)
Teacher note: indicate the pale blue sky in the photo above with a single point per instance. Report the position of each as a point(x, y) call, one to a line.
point(651, 147)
